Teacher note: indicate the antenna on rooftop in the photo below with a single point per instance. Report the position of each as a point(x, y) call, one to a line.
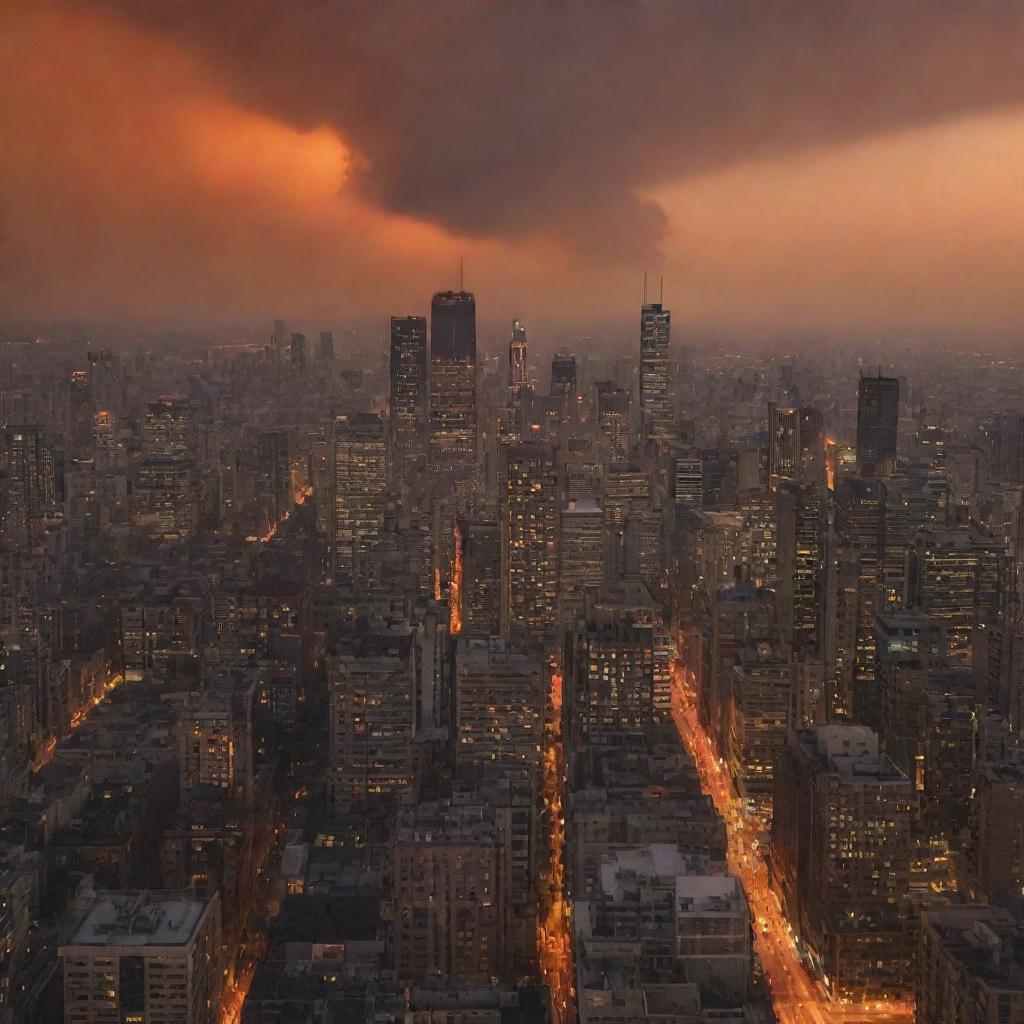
point(462, 267)
point(661, 291)
point(645, 287)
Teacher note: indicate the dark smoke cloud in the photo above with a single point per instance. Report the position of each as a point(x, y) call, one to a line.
point(500, 119)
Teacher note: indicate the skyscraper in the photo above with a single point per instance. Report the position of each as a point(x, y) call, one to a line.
point(563, 375)
point(326, 349)
point(453, 418)
point(878, 410)
point(408, 396)
point(655, 400)
point(783, 442)
point(360, 491)
point(613, 419)
point(529, 543)
point(517, 374)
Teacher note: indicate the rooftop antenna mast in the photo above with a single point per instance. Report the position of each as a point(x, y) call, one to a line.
point(661, 292)
point(462, 262)
point(645, 287)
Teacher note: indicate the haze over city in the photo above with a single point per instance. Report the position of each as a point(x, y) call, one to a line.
point(838, 167)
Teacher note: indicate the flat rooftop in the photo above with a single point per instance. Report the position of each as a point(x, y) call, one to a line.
point(140, 919)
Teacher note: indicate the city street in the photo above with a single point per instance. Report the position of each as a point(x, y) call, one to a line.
point(798, 997)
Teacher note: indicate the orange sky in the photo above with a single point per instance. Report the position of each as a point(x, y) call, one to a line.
point(137, 185)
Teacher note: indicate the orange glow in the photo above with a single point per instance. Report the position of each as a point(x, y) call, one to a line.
point(300, 496)
point(455, 590)
point(437, 584)
point(554, 929)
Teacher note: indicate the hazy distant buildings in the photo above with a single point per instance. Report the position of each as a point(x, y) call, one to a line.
point(518, 374)
point(563, 375)
point(613, 419)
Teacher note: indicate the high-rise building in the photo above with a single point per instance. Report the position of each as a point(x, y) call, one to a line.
point(451, 883)
point(325, 352)
point(144, 956)
point(215, 743)
point(31, 479)
point(656, 416)
point(840, 859)
point(164, 499)
point(613, 419)
point(453, 414)
point(689, 480)
point(518, 379)
point(958, 576)
point(297, 354)
point(801, 563)
point(371, 680)
point(481, 573)
point(168, 430)
point(407, 406)
point(581, 551)
point(878, 410)
point(104, 441)
point(783, 442)
point(563, 375)
point(529, 544)
point(499, 706)
point(360, 493)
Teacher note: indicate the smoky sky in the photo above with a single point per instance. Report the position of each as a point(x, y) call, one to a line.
point(502, 118)
point(843, 164)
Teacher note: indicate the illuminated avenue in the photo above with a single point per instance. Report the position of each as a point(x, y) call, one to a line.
point(798, 998)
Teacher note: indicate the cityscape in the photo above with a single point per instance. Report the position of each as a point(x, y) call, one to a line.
point(488, 622)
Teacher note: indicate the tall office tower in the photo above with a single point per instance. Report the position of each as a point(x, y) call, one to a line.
point(499, 706)
point(481, 573)
point(450, 893)
point(801, 563)
point(581, 556)
point(371, 681)
point(407, 406)
point(761, 531)
point(689, 480)
point(758, 720)
point(860, 534)
point(325, 353)
point(360, 493)
point(530, 545)
point(31, 484)
point(168, 430)
point(840, 858)
point(273, 482)
point(613, 419)
point(812, 446)
point(968, 965)
point(958, 577)
point(104, 441)
point(878, 412)
point(563, 375)
point(145, 956)
point(1006, 448)
point(453, 418)
point(656, 416)
point(783, 442)
point(164, 500)
point(518, 379)
point(215, 746)
point(297, 354)
point(279, 335)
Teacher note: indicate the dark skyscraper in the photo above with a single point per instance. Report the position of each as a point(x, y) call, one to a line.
point(878, 409)
point(563, 374)
point(655, 400)
point(452, 380)
point(408, 395)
